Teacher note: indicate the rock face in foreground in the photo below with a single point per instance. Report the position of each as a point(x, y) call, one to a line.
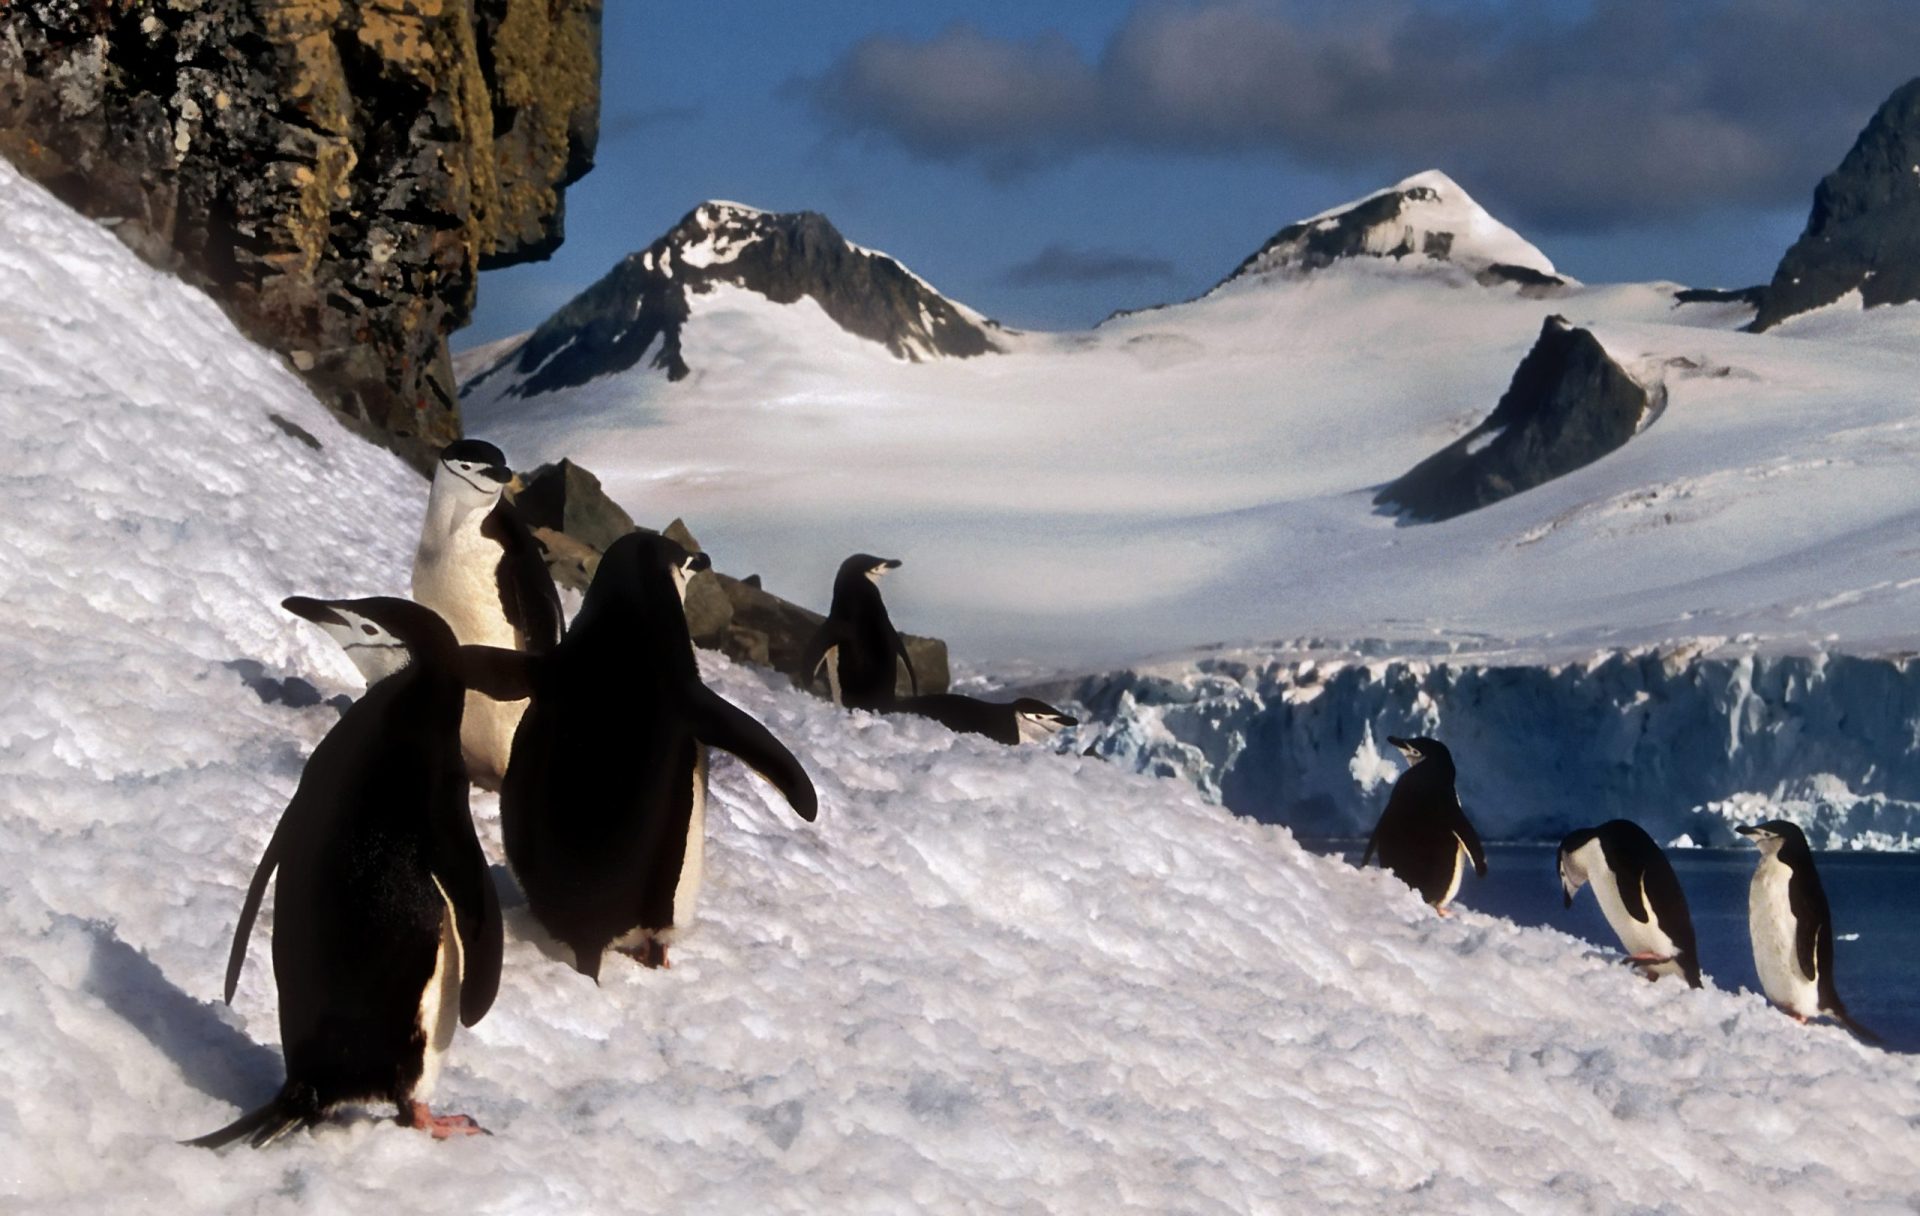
point(335, 172)
point(639, 308)
point(576, 521)
point(1864, 232)
point(1569, 405)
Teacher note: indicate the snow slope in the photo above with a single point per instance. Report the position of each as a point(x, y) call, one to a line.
point(1203, 474)
point(986, 980)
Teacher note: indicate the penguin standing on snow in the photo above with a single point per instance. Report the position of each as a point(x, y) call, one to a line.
point(480, 568)
point(1638, 893)
point(857, 643)
point(1026, 720)
point(1423, 834)
point(385, 925)
point(604, 806)
point(1792, 928)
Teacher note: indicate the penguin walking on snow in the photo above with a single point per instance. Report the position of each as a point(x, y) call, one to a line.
point(1423, 834)
point(603, 809)
point(1792, 928)
point(1638, 893)
point(385, 926)
point(479, 567)
point(857, 643)
point(1026, 720)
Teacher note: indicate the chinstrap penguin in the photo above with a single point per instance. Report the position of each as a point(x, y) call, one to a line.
point(1792, 928)
point(1638, 893)
point(385, 926)
point(1423, 834)
point(479, 567)
point(856, 645)
point(603, 809)
point(1026, 720)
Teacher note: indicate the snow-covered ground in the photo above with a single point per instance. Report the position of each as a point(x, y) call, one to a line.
point(1203, 474)
point(985, 980)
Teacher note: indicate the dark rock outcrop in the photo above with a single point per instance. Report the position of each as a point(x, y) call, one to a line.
point(335, 172)
point(639, 308)
point(1864, 231)
point(1569, 404)
point(572, 516)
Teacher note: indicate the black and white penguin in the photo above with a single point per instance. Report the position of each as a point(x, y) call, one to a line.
point(603, 810)
point(1026, 720)
point(1792, 929)
point(1423, 833)
point(386, 930)
point(857, 643)
point(481, 569)
point(1639, 894)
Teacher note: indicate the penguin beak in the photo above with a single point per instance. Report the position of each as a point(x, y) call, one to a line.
point(309, 609)
point(697, 562)
point(1752, 832)
point(498, 472)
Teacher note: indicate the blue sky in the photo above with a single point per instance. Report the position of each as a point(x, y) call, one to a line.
point(1049, 163)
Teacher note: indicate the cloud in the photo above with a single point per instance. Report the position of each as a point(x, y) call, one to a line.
point(1058, 265)
point(1629, 110)
point(632, 122)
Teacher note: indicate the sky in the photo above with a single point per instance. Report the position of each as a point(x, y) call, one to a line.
point(1050, 163)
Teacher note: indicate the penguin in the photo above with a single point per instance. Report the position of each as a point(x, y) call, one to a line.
point(604, 804)
point(479, 567)
point(386, 929)
point(1792, 929)
point(1638, 893)
point(1026, 720)
point(857, 643)
point(1423, 833)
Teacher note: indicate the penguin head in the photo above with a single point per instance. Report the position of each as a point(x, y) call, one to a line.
point(1421, 749)
point(1774, 835)
point(1573, 870)
point(1039, 721)
point(471, 469)
point(683, 571)
point(642, 576)
point(381, 634)
point(867, 566)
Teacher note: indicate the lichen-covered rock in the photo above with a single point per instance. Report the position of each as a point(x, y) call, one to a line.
point(336, 172)
point(1864, 232)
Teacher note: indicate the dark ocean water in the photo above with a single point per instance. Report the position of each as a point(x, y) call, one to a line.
point(1876, 919)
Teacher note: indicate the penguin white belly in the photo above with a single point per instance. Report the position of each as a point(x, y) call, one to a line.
point(458, 578)
point(1775, 953)
point(1459, 867)
point(1637, 937)
point(440, 999)
point(693, 863)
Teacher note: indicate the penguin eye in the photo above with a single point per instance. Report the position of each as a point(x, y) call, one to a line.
point(369, 630)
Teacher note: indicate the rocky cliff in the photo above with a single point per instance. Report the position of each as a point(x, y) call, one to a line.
point(336, 172)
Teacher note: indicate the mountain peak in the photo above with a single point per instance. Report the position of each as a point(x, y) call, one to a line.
point(640, 308)
point(1427, 217)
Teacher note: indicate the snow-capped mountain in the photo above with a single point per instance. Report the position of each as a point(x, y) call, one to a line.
point(1425, 220)
point(984, 980)
point(637, 315)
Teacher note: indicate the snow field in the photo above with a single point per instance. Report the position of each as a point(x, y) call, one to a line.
point(986, 980)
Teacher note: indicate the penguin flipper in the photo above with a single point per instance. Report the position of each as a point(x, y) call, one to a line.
point(830, 634)
point(293, 1108)
point(504, 675)
point(528, 598)
point(256, 890)
point(718, 722)
point(913, 677)
point(1469, 839)
point(1811, 919)
point(460, 867)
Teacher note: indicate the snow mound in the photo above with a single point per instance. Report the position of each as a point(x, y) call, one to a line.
point(985, 980)
point(1426, 218)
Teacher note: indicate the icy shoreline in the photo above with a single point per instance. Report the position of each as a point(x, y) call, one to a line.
point(1688, 740)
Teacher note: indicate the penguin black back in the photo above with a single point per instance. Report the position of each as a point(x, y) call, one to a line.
point(1423, 833)
point(378, 864)
point(857, 641)
point(1639, 894)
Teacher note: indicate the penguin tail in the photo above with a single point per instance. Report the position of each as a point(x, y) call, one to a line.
point(1852, 1027)
point(293, 1108)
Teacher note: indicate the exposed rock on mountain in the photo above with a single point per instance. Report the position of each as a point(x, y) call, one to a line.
point(1569, 404)
point(1864, 232)
point(639, 309)
point(334, 172)
point(1427, 217)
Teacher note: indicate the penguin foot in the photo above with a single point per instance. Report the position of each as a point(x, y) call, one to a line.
point(1650, 959)
point(1443, 911)
point(440, 1127)
point(651, 954)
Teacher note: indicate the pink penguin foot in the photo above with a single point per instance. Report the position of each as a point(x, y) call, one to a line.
point(440, 1127)
point(1443, 911)
point(651, 954)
